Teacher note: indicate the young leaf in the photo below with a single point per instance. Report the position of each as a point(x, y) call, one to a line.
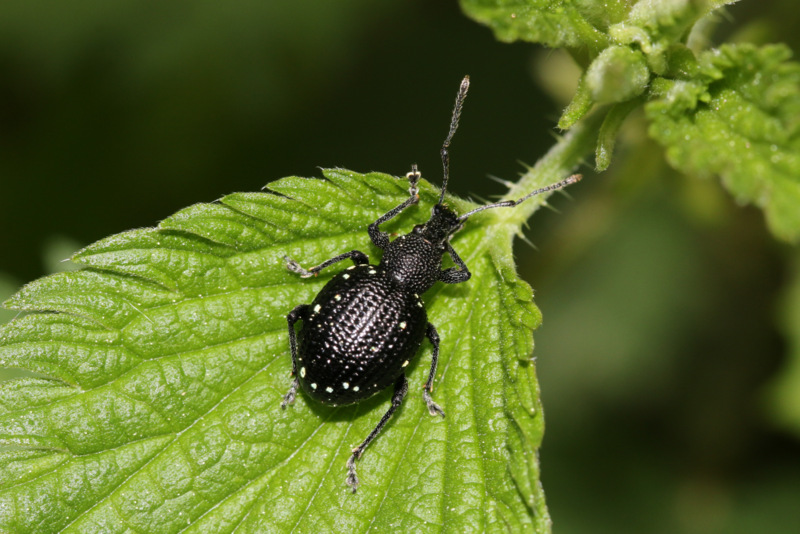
point(164, 360)
point(739, 118)
point(555, 23)
point(607, 136)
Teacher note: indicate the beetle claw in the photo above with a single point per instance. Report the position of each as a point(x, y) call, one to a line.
point(290, 395)
point(433, 408)
point(295, 267)
point(352, 479)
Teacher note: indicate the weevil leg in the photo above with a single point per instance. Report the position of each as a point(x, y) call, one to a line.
point(300, 312)
point(433, 408)
point(381, 239)
point(459, 273)
point(358, 257)
point(400, 390)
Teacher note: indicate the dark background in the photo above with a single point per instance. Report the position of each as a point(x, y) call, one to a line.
point(662, 298)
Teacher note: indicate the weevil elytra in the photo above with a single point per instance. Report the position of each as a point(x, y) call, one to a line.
point(367, 324)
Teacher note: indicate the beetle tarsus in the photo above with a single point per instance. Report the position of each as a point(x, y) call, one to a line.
point(295, 267)
point(352, 479)
point(433, 408)
point(413, 181)
point(290, 395)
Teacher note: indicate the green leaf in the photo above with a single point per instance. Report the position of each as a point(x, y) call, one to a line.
point(578, 107)
point(163, 361)
point(555, 23)
point(740, 119)
point(618, 74)
point(655, 26)
point(606, 138)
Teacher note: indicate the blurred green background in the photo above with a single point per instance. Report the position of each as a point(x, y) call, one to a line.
point(669, 358)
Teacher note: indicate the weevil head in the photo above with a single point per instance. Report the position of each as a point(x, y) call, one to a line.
point(442, 224)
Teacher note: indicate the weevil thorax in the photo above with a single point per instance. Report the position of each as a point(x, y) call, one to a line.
point(415, 259)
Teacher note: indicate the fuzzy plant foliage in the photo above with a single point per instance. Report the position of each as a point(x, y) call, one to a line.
point(731, 112)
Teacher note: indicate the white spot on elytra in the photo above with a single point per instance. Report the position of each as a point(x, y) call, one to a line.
point(303, 372)
point(372, 271)
point(351, 267)
point(356, 388)
point(346, 276)
point(405, 363)
point(317, 308)
point(403, 325)
point(329, 389)
point(374, 349)
point(313, 386)
point(337, 297)
point(346, 385)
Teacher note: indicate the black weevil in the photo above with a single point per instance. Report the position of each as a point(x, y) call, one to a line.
point(368, 322)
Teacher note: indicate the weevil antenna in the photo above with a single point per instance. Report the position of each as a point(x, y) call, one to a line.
point(460, 97)
point(509, 203)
